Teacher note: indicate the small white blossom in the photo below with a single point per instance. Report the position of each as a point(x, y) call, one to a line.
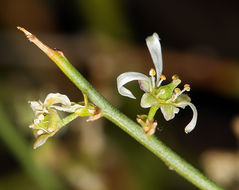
point(47, 121)
point(168, 97)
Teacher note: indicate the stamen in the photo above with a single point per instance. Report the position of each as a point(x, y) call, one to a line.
point(173, 97)
point(187, 87)
point(175, 77)
point(40, 128)
point(162, 78)
point(177, 90)
point(176, 94)
point(152, 73)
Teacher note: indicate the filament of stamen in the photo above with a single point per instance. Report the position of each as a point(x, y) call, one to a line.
point(178, 92)
point(173, 97)
point(162, 78)
point(187, 87)
point(42, 128)
point(152, 73)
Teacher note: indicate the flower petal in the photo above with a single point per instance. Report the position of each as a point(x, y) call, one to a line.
point(41, 140)
point(183, 101)
point(55, 122)
point(144, 85)
point(69, 109)
point(193, 122)
point(147, 100)
point(128, 77)
point(156, 54)
point(55, 98)
point(169, 111)
point(36, 106)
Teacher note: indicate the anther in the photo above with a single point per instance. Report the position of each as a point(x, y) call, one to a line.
point(176, 94)
point(187, 87)
point(152, 72)
point(175, 77)
point(177, 90)
point(162, 77)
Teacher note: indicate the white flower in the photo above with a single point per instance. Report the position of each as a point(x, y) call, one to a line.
point(147, 84)
point(168, 97)
point(52, 100)
point(47, 121)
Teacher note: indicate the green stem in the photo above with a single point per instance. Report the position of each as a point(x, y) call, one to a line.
point(152, 111)
point(85, 100)
point(170, 158)
point(69, 118)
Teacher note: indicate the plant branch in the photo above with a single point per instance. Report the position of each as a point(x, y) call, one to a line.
point(69, 118)
point(152, 143)
point(152, 111)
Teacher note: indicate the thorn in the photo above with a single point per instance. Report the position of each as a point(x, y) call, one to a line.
point(28, 34)
point(53, 54)
point(24, 31)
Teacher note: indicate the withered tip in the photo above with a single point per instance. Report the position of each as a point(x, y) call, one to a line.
point(28, 34)
point(50, 52)
point(24, 30)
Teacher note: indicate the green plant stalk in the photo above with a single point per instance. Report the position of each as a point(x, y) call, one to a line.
point(152, 111)
point(69, 118)
point(170, 158)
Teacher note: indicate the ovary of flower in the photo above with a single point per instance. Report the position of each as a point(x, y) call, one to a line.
point(168, 97)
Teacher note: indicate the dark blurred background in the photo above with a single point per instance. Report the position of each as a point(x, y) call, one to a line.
point(103, 39)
